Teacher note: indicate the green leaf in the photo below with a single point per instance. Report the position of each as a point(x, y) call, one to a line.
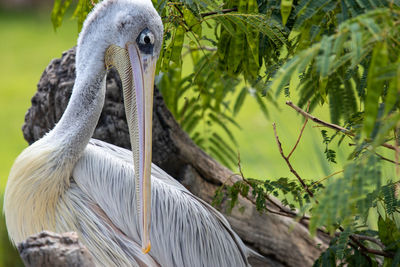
point(323, 61)
point(215, 152)
point(286, 8)
point(177, 45)
point(242, 7)
point(252, 6)
point(224, 127)
point(240, 100)
point(389, 198)
point(259, 22)
point(262, 105)
point(193, 23)
point(374, 87)
point(342, 243)
point(294, 66)
point(236, 51)
point(81, 11)
point(387, 125)
point(224, 151)
point(356, 43)
point(58, 12)
point(219, 139)
point(393, 93)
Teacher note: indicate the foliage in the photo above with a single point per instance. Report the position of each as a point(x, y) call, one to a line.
point(342, 54)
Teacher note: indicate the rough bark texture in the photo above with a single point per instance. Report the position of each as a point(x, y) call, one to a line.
point(280, 239)
point(50, 249)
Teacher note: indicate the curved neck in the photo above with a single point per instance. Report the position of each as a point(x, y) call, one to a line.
point(75, 128)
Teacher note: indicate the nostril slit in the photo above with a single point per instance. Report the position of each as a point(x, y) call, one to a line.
point(147, 39)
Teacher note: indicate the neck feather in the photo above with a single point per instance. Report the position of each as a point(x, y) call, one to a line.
point(75, 128)
point(41, 173)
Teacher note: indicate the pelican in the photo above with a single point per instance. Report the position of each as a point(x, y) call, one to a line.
point(117, 201)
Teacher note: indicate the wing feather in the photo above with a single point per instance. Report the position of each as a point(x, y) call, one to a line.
point(185, 230)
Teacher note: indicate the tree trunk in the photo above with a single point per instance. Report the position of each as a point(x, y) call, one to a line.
point(282, 240)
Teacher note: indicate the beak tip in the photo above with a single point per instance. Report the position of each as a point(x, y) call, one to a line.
point(146, 249)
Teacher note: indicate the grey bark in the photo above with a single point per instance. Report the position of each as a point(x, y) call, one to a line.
point(282, 240)
point(50, 249)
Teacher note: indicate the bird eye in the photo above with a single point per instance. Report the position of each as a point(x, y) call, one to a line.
point(145, 41)
point(146, 38)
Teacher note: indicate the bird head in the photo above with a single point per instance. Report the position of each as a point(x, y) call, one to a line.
point(128, 36)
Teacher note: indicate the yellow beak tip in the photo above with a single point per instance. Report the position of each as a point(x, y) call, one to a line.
point(146, 249)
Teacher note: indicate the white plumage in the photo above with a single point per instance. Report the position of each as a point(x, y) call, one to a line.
point(69, 182)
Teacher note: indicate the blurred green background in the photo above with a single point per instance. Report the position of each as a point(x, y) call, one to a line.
point(28, 43)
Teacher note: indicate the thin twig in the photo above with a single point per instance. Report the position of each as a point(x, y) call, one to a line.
point(301, 133)
point(315, 119)
point(282, 210)
point(329, 125)
point(290, 165)
point(223, 11)
point(326, 177)
point(240, 167)
point(386, 159)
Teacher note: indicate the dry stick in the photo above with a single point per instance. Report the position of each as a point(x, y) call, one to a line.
point(290, 165)
point(329, 125)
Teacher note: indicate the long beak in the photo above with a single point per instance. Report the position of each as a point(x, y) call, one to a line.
point(143, 70)
point(137, 75)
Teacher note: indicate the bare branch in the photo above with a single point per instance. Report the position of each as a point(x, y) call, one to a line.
point(371, 239)
point(329, 125)
point(355, 238)
point(370, 250)
point(386, 159)
point(301, 133)
point(315, 119)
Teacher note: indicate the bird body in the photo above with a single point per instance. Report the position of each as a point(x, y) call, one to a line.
point(69, 182)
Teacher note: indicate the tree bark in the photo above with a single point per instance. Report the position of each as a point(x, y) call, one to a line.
point(282, 240)
point(50, 249)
